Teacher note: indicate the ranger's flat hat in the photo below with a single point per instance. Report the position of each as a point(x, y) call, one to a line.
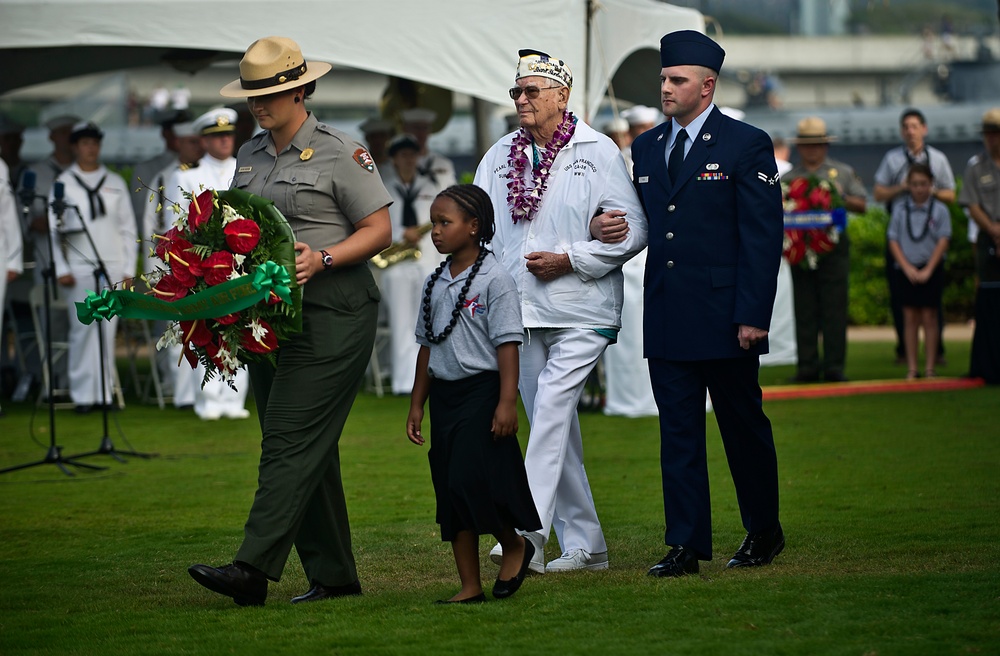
point(812, 130)
point(271, 65)
point(991, 120)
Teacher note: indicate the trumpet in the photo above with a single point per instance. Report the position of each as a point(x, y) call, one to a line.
point(400, 251)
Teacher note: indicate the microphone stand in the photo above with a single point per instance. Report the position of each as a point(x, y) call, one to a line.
point(54, 454)
point(107, 447)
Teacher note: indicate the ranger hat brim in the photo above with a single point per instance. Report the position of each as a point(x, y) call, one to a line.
point(272, 65)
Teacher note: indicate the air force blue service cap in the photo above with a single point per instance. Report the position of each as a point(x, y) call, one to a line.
point(690, 48)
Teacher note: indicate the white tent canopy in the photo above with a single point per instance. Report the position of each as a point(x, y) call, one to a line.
point(469, 46)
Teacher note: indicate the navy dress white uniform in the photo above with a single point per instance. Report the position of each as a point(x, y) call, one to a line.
point(570, 320)
point(216, 398)
point(715, 240)
point(98, 203)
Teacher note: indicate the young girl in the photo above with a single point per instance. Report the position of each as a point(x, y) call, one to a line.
point(919, 231)
point(469, 329)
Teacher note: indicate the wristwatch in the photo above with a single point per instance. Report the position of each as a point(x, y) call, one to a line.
point(327, 260)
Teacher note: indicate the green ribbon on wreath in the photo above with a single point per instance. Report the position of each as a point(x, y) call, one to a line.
point(277, 275)
point(216, 301)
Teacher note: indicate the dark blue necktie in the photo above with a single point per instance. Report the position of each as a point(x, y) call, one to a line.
point(676, 156)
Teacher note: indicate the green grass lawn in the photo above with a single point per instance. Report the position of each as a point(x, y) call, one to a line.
point(889, 504)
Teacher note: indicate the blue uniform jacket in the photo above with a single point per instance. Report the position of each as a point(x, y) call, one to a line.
point(715, 240)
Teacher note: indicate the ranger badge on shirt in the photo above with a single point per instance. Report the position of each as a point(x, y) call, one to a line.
point(364, 160)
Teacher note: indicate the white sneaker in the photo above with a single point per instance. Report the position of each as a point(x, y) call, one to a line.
point(537, 564)
point(575, 559)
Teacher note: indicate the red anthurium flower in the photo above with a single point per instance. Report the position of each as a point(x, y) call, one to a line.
point(163, 242)
point(256, 342)
point(820, 241)
point(819, 199)
point(228, 319)
point(796, 250)
point(798, 188)
point(201, 209)
point(217, 267)
point(184, 263)
point(242, 235)
point(273, 299)
point(196, 332)
point(169, 288)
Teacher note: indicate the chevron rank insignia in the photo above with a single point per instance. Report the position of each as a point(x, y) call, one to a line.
point(771, 181)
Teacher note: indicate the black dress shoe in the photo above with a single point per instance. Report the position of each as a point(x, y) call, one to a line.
point(678, 562)
point(246, 585)
point(759, 548)
point(504, 589)
point(802, 379)
point(319, 591)
point(478, 599)
point(835, 377)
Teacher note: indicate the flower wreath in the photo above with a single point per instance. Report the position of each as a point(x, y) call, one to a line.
point(814, 217)
point(225, 236)
point(228, 285)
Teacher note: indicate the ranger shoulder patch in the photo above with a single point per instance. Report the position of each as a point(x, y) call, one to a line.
point(364, 160)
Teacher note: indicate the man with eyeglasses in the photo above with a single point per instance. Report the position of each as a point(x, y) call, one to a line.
point(550, 180)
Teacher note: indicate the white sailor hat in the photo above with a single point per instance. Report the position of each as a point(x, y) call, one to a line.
point(374, 125)
point(185, 129)
point(85, 129)
point(641, 115)
point(418, 115)
point(220, 120)
point(61, 121)
point(616, 125)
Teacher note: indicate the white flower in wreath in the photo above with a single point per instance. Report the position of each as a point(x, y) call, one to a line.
point(229, 214)
point(170, 337)
point(258, 330)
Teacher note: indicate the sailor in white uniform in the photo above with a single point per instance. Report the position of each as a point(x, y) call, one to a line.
point(215, 170)
point(98, 215)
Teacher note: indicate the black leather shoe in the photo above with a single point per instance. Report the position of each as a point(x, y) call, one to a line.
point(678, 562)
point(247, 586)
point(759, 548)
point(504, 589)
point(478, 599)
point(319, 591)
point(803, 379)
point(835, 377)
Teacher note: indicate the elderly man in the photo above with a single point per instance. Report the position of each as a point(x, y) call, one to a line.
point(980, 197)
point(890, 184)
point(820, 294)
point(710, 185)
point(548, 180)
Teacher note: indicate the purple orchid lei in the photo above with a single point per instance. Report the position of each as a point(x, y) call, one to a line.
point(523, 200)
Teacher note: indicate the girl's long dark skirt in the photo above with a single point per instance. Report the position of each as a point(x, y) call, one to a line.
point(479, 481)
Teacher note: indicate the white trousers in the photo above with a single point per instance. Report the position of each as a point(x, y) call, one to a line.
point(217, 399)
point(401, 286)
point(626, 374)
point(84, 361)
point(554, 367)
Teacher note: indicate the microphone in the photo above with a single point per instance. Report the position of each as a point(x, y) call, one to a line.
point(59, 202)
point(27, 192)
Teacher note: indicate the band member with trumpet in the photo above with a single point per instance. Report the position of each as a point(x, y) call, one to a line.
point(401, 281)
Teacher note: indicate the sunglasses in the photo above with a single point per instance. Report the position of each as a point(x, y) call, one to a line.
point(530, 91)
